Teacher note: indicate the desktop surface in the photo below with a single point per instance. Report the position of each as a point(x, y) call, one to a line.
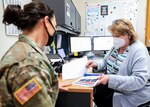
point(74, 88)
point(74, 95)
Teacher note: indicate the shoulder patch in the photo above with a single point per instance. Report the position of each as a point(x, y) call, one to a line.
point(27, 91)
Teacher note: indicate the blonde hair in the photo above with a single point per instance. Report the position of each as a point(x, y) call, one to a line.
point(123, 27)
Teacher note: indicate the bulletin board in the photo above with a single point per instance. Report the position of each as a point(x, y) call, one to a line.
point(100, 15)
point(11, 29)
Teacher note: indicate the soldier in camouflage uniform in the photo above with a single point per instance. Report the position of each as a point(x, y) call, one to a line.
point(26, 77)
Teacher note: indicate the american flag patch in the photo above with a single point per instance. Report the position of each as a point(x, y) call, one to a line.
point(27, 91)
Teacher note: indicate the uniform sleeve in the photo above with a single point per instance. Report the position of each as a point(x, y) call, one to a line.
point(32, 85)
point(139, 77)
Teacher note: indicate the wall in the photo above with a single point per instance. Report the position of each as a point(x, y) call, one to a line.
point(5, 41)
point(80, 5)
point(141, 20)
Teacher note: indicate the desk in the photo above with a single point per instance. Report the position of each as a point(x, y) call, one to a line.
point(75, 96)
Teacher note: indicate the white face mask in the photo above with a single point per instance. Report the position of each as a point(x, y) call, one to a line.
point(118, 42)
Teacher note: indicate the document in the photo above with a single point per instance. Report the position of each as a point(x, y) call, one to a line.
point(87, 81)
point(74, 69)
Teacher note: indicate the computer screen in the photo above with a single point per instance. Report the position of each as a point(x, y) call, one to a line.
point(61, 53)
point(80, 43)
point(102, 43)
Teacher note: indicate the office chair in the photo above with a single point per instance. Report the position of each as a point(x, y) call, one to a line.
point(145, 105)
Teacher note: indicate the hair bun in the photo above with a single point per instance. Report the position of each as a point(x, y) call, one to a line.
point(12, 14)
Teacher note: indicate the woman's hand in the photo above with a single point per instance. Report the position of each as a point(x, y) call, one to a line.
point(102, 80)
point(91, 64)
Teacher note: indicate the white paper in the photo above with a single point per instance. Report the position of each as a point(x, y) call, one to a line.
point(56, 60)
point(92, 16)
point(68, 10)
point(74, 69)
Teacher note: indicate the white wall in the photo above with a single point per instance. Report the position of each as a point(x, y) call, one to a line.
point(141, 19)
point(80, 5)
point(5, 41)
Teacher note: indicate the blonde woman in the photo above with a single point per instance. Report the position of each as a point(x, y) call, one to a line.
point(126, 82)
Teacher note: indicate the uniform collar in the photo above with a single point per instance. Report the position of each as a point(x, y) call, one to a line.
point(28, 40)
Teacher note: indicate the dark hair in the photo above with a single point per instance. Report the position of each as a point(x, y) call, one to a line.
point(27, 17)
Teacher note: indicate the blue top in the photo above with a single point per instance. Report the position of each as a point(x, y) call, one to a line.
point(131, 83)
point(114, 61)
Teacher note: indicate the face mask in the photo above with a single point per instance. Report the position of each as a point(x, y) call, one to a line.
point(50, 38)
point(119, 42)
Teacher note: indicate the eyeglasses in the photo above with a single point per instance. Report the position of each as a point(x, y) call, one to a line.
point(52, 25)
point(120, 21)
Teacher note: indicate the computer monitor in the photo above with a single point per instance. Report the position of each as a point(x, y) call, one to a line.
point(80, 44)
point(61, 53)
point(102, 43)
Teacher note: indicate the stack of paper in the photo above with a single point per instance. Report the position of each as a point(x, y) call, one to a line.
point(74, 69)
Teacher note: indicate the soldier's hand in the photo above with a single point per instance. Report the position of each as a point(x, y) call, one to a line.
point(63, 86)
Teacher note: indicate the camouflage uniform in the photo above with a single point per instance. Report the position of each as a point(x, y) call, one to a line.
point(22, 62)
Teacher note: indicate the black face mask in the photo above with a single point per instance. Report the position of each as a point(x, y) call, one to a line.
point(50, 38)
